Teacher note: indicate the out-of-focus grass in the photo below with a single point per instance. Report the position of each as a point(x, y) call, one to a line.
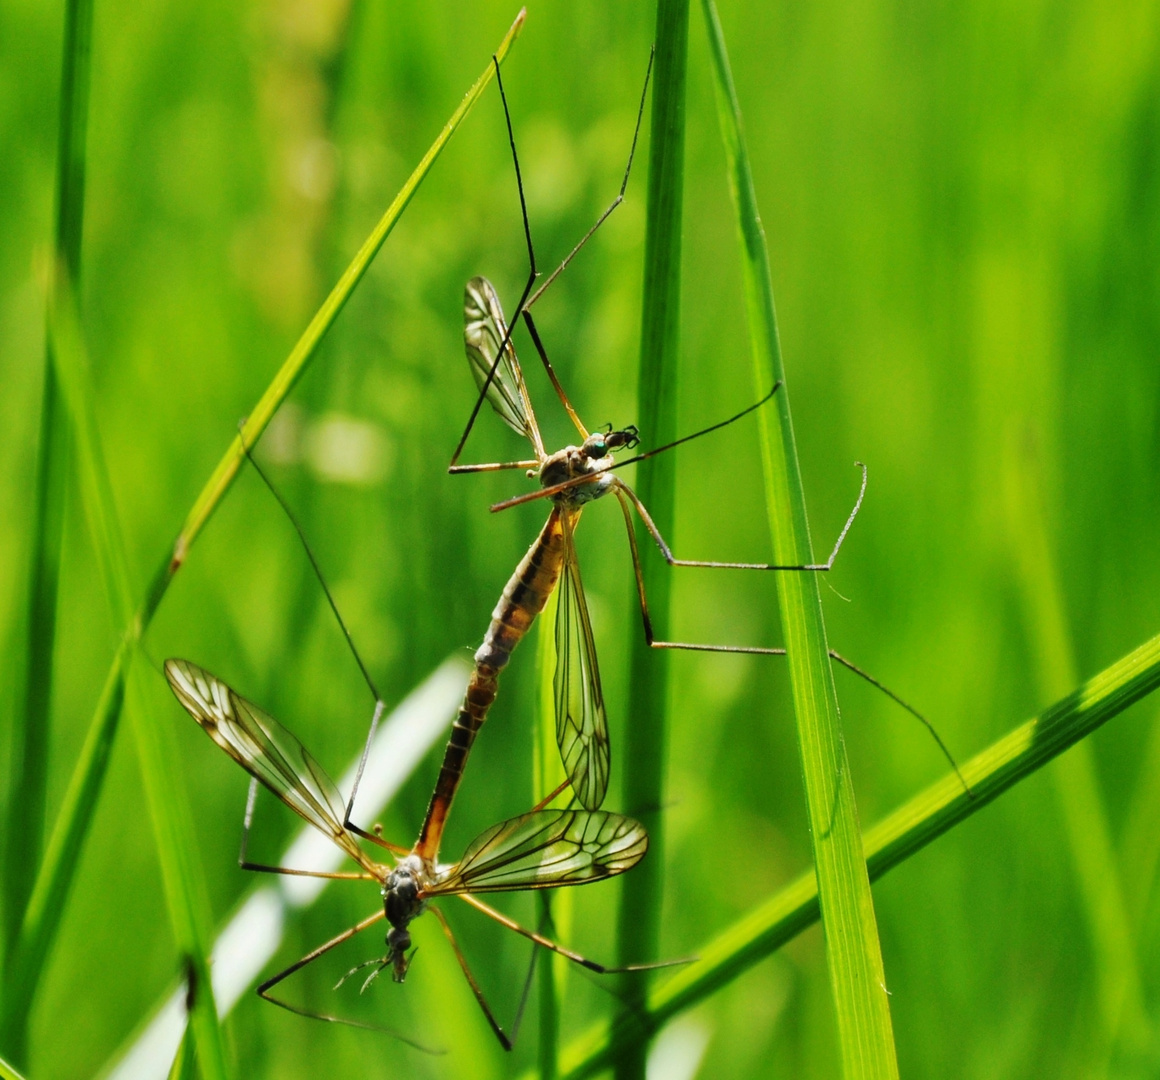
point(962, 211)
point(172, 820)
point(29, 734)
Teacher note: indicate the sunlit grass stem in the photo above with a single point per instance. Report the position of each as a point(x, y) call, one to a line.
point(853, 953)
point(646, 738)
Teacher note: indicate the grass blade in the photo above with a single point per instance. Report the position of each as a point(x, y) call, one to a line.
point(7, 1072)
point(50, 892)
point(185, 891)
point(1119, 988)
point(646, 739)
point(26, 808)
point(896, 838)
point(853, 954)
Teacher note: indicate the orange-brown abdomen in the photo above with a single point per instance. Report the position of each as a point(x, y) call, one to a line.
point(523, 598)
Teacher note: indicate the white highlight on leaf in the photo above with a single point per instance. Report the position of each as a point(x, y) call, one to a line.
point(678, 1050)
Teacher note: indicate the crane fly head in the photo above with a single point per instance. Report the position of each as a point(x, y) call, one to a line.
point(602, 443)
point(403, 903)
point(592, 458)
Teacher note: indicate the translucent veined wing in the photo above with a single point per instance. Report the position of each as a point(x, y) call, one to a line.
point(483, 330)
point(265, 749)
point(543, 849)
point(581, 724)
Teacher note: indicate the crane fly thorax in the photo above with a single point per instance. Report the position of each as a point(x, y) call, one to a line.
point(592, 458)
point(403, 902)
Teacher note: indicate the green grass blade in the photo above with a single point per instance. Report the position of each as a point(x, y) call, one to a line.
point(896, 838)
point(184, 1065)
point(185, 890)
point(853, 954)
point(55, 875)
point(7, 1072)
point(24, 829)
point(1119, 987)
point(548, 774)
point(646, 738)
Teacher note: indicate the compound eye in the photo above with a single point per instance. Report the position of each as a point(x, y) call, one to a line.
point(598, 448)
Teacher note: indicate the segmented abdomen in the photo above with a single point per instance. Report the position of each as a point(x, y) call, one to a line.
point(523, 598)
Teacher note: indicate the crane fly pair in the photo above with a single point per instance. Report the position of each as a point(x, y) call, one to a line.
point(543, 848)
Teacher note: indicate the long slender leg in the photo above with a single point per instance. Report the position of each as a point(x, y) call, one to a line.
point(373, 837)
point(532, 275)
point(525, 303)
point(849, 665)
point(380, 705)
point(550, 796)
point(672, 560)
point(615, 202)
point(529, 322)
point(556, 489)
point(495, 466)
point(262, 868)
point(530, 977)
point(264, 990)
point(500, 1034)
point(547, 943)
point(535, 334)
point(648, 630)
point(309, 958)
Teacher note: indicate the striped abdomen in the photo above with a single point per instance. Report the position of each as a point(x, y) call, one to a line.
point(523, 599)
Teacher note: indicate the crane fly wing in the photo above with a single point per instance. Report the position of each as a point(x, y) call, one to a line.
point(581, 724)
point(483, 330)
point(265, 749)
point(543, 849)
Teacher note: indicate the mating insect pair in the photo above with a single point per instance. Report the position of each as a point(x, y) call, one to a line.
point(542, 848)
point(539, 849)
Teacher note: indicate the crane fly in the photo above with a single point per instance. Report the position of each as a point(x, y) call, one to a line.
point(542, 849)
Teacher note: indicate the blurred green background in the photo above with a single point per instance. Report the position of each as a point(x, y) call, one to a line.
point(963, 210)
